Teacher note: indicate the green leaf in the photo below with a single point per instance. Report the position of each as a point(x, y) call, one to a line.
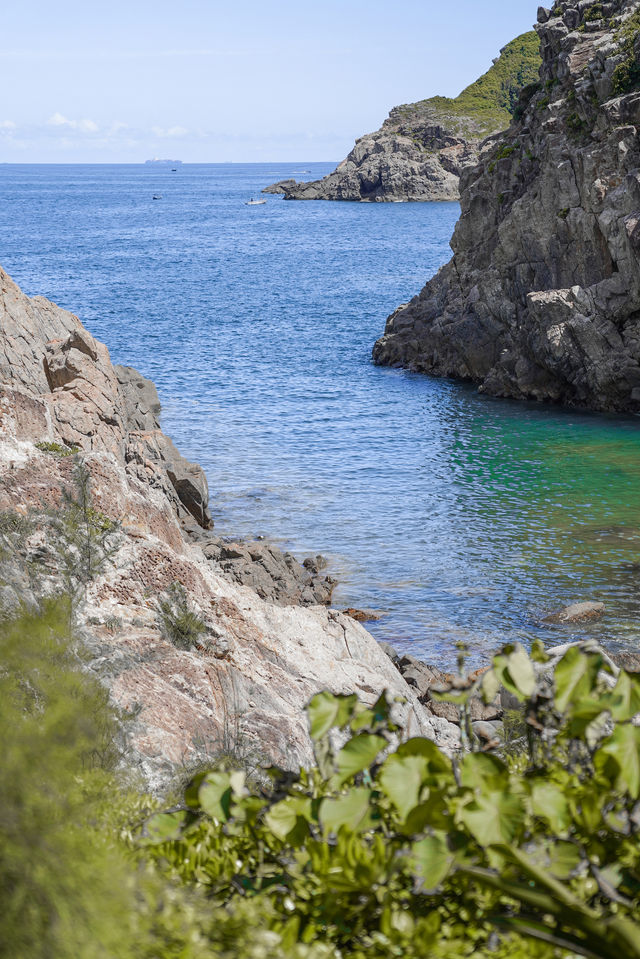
point(401, 779)
point(215, 794)
point(493, 817)
point(165, 826)
point(521, 671)
point(282, 818)
point(358, 754)
point(483, 771)
point(564, 859)
point(352, 810)
point(619, 756)
point(624, 699)
point(376, 719)
point(458, 697)
point(431, 859)
point(326, 711)
point(548, 802)
point(584, 712)
point(575, 676)
point(538, 652)
point(514, 670)
point(420, 746)
point(489, 686)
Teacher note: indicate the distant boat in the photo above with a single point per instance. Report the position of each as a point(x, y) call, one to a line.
point(254, 202)
point(157, 196)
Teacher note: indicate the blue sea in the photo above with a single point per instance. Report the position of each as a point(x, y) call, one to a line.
point(456, 516)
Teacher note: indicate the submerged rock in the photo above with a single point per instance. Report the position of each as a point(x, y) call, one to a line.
point(577, 613)
point(362, 615)
point(542, 297)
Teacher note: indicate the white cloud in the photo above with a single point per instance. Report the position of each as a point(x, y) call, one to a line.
point(7, 125)
point(169, 132)
point(84, 126)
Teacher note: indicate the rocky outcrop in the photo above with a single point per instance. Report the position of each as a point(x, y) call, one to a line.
point(426, 678)
point(247, 679)
point(418, 154)
point(421, 149)
point(59, 385)
point(542, 297)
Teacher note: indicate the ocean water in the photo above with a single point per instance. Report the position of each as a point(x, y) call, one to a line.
point(457, 516)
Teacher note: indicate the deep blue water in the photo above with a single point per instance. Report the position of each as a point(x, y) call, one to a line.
point(459, 516)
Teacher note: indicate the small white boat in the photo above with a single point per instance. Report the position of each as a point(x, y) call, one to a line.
point(254, 202)
point(157, 196)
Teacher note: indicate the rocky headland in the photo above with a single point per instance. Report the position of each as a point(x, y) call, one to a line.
point(542, 297)
point(421, 149)
point(269, 642)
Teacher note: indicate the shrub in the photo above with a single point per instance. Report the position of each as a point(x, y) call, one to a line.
point(505, 152)
point(626, 76)
point(58, 741)
point(178, 622)
point(526, 96)
point(594, 12)
point(385, 850)
point(491, 100)
point(113, 624)
point(85, 540)
point(57, 449)
point(576, 125)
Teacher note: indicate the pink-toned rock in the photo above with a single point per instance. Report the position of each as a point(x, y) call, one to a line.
point(250, 677)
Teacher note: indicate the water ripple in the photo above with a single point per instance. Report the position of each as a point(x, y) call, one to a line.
point(459, 516)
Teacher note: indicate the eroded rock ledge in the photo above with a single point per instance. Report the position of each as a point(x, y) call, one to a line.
point(261, 662)
point(542, 297)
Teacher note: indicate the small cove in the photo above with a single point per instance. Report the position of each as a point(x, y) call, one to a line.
point(460, 516)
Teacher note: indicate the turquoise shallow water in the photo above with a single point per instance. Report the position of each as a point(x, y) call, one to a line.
point(460, 516)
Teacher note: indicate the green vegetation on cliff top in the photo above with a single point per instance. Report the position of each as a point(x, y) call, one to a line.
point(490, 100)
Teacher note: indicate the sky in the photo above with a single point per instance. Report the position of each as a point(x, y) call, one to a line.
point(206, 81)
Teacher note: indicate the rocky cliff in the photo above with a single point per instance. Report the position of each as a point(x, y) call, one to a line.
point(421, 149)
point(247, 679)
point(542, 297)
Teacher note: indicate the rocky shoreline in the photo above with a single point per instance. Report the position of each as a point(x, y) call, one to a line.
point(271, 640)
point(542, 297)
point(261, 659)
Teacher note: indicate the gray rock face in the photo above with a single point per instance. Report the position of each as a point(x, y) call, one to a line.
point(542, 297)
point(141, 398)
point(280, 187)
point(275, 576)
point(418, 154)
